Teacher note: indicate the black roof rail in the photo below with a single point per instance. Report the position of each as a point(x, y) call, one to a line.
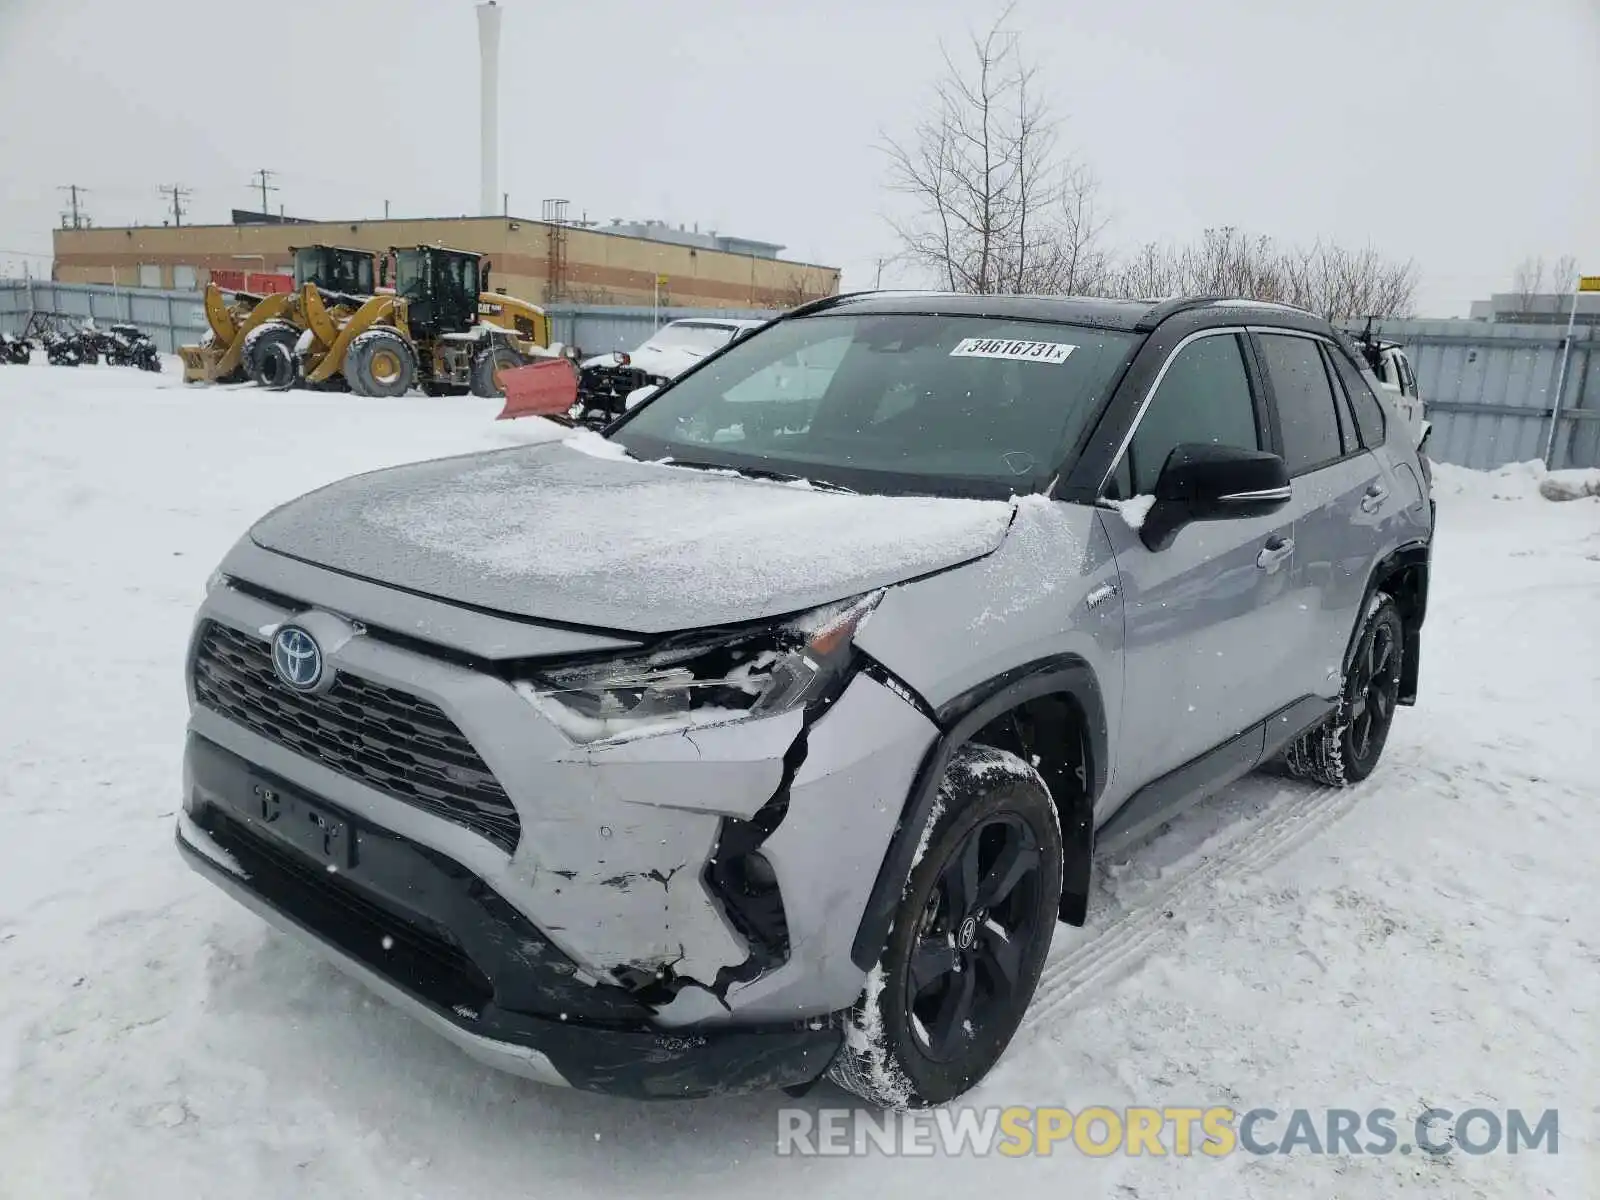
point(1180, 304)
point(820, 304)
point(1171, 308)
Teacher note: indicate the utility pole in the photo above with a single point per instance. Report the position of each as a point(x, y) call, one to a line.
point(78, 218)
point(261, 181)
point(385, 210)
point(178, 193)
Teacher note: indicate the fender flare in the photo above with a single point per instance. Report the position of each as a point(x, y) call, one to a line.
point(959, 719)
point(1409, 554)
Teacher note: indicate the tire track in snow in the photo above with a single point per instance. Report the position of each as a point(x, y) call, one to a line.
point(1299, 815)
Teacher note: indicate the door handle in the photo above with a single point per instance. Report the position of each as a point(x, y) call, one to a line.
point(1273, 554)
point(1375, 496)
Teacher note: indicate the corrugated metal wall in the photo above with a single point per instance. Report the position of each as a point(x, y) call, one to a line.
point(1490, 390)
point(171, 318)
point(174, 318)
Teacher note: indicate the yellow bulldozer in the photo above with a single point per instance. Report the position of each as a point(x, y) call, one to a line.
point(439, 328)
point(241, 332)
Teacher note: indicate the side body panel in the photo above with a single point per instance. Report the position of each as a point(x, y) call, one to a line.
point(1210, 634)
point(1337, 542)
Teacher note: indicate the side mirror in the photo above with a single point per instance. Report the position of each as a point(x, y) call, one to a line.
point(638, 396)
point(1201, 481)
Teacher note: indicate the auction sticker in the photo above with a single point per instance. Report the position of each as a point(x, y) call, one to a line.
point(1045, 352)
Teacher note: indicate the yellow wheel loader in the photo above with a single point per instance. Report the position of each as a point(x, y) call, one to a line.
point(440, 329)
point(241, 332)
point(341, 279)
point(218, 356)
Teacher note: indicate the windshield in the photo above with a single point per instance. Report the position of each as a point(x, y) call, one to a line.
point(408, 274)
point(931, 404)
point(335, 270)
point(691, 335)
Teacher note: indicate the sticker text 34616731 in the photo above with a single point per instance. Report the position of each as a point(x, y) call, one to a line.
point(1045, 352)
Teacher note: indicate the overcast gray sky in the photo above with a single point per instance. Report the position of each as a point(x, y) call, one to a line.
point(1463, 133)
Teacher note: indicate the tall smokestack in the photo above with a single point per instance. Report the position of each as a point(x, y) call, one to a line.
point(489, 106)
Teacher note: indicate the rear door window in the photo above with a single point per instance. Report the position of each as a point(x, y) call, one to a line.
point(1369, 413)
point(1307, 415)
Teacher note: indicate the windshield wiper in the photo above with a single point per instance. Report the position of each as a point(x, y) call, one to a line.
point(822, 485)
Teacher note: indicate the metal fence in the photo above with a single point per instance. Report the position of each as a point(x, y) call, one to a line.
point(1490, 390)
point(174, 318)
point(171, 318)
point(1489, 387)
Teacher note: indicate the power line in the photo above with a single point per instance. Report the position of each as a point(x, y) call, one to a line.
point(178, 193)
point(77, 217)
point(261, 181)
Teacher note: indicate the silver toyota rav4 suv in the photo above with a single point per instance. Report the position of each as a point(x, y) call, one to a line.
point(766, 736)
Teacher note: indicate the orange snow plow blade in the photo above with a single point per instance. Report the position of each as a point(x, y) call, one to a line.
point(542, 389)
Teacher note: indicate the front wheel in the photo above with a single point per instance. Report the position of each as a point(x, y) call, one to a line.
point(259, 357)
point(1345, 748)
point(488, 366)
point(380, 363)
point(969, 939)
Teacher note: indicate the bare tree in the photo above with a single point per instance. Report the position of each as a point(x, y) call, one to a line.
point(1527, 281)
point(800, 288)
point(1325, 278)
point(1564, 275)
point(1067, 257)
point(995, 207)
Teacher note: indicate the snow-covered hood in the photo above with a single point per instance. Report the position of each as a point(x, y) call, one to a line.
point(566, 532)
point(666, 361)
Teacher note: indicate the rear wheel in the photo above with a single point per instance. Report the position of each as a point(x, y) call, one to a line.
point(259, 359)
point(968, 942)
point(487, 367)
point(380, 363)
point(1346, 747)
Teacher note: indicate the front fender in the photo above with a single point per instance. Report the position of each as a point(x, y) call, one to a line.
point(1033, 618)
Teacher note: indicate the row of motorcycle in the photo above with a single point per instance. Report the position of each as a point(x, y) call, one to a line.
point(116, 345)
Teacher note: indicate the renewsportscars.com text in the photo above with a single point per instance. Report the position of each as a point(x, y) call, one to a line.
point(1213, 1132)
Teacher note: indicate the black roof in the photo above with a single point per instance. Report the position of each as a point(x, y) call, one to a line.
point(1128, 315)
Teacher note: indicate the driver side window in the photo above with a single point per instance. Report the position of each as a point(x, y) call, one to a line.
point(1203, 397)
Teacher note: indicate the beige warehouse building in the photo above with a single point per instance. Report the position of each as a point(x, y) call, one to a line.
point(544, 262)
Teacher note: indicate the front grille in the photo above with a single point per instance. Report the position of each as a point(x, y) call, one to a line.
point(386, 738)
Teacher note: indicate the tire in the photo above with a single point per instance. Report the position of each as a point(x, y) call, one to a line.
point(275, 369)
point(1346, 747)
point(260, 363)
point(962, 961)
point(380, 363)
point(486, 368)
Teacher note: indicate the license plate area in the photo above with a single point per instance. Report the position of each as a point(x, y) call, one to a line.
point(314, 829)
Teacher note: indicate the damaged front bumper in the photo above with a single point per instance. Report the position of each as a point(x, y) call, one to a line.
point(620, 944)
point(430, 938)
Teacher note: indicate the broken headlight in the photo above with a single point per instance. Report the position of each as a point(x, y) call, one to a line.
point(704, 682)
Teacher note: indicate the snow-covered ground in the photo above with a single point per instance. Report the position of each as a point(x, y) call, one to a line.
point(1419, 940)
